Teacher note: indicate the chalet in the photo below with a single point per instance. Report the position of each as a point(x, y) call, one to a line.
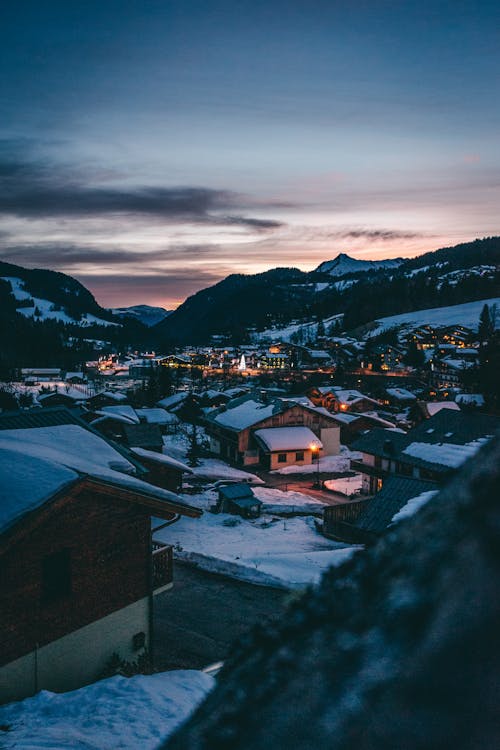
point(79, 566)
point(352, 400)
point(287, 446)
point(322, 396)
point(362, 521)
point(59, 398)
point(238, 499)
point(162, 470)
point(424, 409)
point(231, 429)
point(106, 398)
point(40, 374)
point(450, 372)
point(147, 436)
point(431, 451)
point(400, 397)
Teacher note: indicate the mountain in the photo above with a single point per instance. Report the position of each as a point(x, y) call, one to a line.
point(50, 295)
point(241, 305)
point(147, 315)
point(50, 319)
point(344, 264)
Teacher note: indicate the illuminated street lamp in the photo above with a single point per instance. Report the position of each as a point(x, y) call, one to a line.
point(315, 456)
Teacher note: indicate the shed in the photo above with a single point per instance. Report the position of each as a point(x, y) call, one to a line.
point(239, 500)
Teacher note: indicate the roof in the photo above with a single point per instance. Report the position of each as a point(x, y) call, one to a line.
point(143, 435)
point(162, 458)
point(170, 401)
point(393, 496)
point(287, 438)
point(156, 416)
point(433, 407)
point(434, 442)
point(35, 464)
point(245, 412)
point(124, 410)
point(401, 394)
point(237, 492)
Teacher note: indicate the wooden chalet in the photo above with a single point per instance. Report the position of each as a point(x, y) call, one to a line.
point(79, 567)
point(231, 429)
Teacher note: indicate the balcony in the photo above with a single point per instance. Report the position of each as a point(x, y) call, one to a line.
point(161, 565)
point(371, 471)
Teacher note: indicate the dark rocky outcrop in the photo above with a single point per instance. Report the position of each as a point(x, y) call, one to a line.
point(397, 649)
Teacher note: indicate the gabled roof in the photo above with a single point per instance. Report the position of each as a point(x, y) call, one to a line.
point(395, 493)
point(287, 438)
point(244, 412)
point(237, 492)
point(36, 464)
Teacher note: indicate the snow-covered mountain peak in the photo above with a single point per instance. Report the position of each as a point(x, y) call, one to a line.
point(344, 264)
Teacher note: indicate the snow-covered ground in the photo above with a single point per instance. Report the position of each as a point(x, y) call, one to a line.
point(45, 307)
point(346, 486)
point(277, 501)
point(117, 713)
point(270, 551)
point(339, 463)
point(466, 315)
point(283, 334)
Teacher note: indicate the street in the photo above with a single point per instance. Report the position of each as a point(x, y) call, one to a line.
point(196, 622)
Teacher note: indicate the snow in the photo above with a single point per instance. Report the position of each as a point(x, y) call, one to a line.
point(118, 713)
point(401, 394)
point(466, 314)
point(161, 458)
point(175, 400)
point(277, 501)
point(445, 454)
point(124, 410)
point(476, 399)
point(288, 438)
point(344, 264)
point(413, 505)
point(210, 468)
point(287, 553)
point(44, 306)
point(156, 416)
point(346, 485)
point(434, 406)
point(339, 463)
point(244, 415)
point(60, 454)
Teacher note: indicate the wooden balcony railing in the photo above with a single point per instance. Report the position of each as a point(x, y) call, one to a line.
point(162, 564)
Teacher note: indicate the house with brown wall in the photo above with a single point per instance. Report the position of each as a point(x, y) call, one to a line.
point(79, 568)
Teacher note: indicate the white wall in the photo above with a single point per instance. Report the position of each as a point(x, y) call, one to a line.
point(330, 437)
point(79, 657)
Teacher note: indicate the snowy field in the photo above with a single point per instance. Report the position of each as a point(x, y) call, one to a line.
point(117, 713)
point(270, 551)
point(466, 315)
point(346, 486)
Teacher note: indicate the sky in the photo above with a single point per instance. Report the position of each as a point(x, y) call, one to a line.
point(149, 148)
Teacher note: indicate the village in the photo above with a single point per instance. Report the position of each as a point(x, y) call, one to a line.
point(146, 493)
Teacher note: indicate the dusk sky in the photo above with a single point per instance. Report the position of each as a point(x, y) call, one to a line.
point(150, 148)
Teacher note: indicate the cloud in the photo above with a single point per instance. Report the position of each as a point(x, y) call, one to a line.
point(58, 256)
point(38, 189)
point(376, 235)
point(168, 290)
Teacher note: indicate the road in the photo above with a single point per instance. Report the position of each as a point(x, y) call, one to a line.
point(196, 622)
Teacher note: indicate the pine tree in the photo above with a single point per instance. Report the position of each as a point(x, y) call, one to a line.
point(486, 326)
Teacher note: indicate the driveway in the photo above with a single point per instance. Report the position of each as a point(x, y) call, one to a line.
point(196, 622)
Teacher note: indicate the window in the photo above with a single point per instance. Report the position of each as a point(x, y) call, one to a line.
point(56, 576)
point(299, 456)
point(282, 458)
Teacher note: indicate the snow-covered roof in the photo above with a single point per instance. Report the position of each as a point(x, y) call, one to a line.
point(113, 395)
point(434, 406)
point(350, 396)
point(156, 416)
point(401, 394)
point(170, 401)
point(245, 414)
point(124, 410)
point(36, 463)
point(413, 505)
point(162, 458)
point(288, 438)
point(445, 454)
point(470, 398)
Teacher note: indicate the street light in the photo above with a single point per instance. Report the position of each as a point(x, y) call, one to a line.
point(315, 455)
